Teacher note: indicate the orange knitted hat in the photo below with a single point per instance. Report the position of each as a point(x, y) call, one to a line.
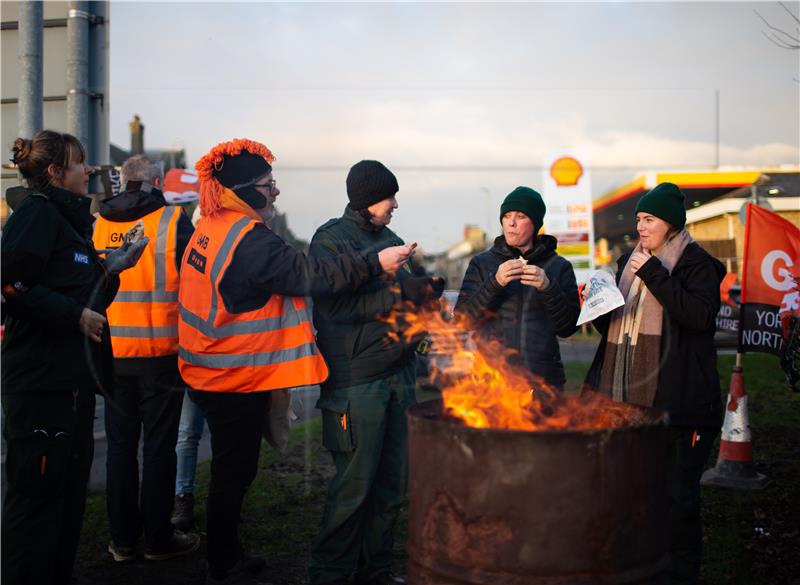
point(210, 188)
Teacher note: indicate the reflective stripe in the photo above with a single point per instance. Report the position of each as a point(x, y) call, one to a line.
point(219, 261)
point(143, 296)
point(290, 318)
point(244, 360)
point(144, 332)
point(160, 294)
point(161, 248)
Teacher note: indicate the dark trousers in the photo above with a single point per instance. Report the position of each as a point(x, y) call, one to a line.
point(50, 448)
point(235, 421)
point(689, 453)
point(149, 403)
point(364, 428)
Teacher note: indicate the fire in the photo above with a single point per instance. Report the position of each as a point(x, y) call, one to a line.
point(484, 386)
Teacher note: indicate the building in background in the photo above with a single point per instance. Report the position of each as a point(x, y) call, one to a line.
point(54, 75)
point(171, 158)
point(453, 262)
point(719, 225)
point(714, 199)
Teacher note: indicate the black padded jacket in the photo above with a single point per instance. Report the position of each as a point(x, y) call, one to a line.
point(522, 317)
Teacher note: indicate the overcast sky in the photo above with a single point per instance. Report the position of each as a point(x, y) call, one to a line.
point(462, 100)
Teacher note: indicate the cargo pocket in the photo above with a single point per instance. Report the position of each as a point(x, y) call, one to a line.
point(337, 432)
point(37, 462)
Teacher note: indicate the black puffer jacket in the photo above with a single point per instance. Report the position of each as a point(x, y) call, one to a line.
point(688, 382)
point(522, 317)
point(51, 272)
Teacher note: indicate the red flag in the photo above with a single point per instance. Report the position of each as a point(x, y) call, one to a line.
point(771, 265)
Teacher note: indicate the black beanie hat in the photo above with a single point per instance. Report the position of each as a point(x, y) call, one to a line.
point(239, 172)
point(369, 182)
point(527, 201)
point(665, 201)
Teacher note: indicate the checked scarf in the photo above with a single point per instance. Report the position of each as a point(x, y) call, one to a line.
point(632, 356)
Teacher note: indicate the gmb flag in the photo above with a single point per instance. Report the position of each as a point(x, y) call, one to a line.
point(771, 265)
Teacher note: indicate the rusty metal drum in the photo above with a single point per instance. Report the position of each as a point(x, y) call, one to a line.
point(501, 507)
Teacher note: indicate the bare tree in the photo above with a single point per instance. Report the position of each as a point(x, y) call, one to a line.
point(780, 37)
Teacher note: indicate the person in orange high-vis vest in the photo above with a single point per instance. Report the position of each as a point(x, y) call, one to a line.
point(148, 390)
point(244, 328)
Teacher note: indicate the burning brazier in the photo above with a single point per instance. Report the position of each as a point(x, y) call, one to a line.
point(580, 504)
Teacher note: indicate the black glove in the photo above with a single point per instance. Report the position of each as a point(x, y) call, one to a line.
point(420, 290)
point(126, 256)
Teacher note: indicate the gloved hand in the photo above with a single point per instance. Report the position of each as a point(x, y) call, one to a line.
point(126, 256)
point(420, 290)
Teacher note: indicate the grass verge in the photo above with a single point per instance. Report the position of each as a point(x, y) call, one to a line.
point(751, 538)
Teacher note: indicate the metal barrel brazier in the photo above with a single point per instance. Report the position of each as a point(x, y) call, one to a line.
point(502, 507)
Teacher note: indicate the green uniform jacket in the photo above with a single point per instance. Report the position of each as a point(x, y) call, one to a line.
point(351, 335)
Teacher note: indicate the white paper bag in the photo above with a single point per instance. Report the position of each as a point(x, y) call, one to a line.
point(603, 296)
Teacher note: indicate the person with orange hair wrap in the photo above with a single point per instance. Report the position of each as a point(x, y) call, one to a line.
point(244, 329)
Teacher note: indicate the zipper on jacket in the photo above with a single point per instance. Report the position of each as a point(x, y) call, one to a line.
point(520, 305)
point(75, 400)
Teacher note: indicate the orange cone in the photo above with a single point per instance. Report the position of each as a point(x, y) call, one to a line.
point(735, 467)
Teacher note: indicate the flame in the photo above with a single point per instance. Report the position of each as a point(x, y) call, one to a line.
point(484, 385)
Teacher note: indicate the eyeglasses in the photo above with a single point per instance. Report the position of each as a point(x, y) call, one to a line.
point(269, 185)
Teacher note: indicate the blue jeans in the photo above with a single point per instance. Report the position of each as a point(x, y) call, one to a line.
point(190, 432)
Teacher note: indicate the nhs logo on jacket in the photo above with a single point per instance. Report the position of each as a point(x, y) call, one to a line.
point(81, 258)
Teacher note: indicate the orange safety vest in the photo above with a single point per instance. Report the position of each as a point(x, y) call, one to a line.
point(266, 349)
point(143, 318)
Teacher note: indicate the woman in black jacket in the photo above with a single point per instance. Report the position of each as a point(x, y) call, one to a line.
point(56, 354)
point(520, 292)
point(658, 350)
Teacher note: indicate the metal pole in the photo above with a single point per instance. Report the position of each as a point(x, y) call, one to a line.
point(99, 84)
point(98, 150)
point(78, 71)
point(488, 212)
point(29, 53)
point(716, 128)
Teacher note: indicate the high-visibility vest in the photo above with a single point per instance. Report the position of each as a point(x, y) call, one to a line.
point(143, 319)
point(268, 348)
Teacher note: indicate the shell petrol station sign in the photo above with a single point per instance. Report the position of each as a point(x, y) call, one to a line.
point(567, 194)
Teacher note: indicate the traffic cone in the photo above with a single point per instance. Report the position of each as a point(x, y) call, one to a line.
point(735, 467)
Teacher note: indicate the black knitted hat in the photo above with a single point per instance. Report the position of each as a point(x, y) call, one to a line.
point(369, 182)
point(239, 172)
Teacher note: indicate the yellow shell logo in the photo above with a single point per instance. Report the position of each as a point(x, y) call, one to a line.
point(566, 171)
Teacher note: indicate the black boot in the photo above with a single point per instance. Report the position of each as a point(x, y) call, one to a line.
point(183, 512)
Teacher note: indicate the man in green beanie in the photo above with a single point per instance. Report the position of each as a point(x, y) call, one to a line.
point(521, 292)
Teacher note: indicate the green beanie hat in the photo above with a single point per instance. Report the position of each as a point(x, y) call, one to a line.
point(665, 201)
point(527, 201)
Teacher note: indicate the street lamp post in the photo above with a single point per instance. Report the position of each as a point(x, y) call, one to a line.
point(488, 211)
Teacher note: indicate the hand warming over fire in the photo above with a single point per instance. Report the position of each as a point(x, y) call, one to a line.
point(535, 277)
point(508, 271)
